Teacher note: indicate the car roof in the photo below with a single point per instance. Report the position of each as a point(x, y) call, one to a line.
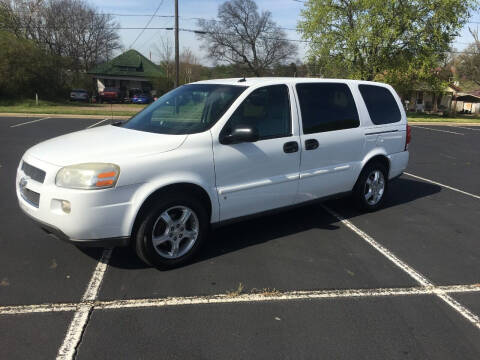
point(256, 81)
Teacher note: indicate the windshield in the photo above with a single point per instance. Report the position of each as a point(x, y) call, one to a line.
point(188, 109)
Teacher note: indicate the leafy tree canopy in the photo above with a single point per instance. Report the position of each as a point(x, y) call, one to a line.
point(395, 40)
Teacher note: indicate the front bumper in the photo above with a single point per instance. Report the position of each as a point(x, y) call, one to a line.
point(97, 217)
point(58, 234)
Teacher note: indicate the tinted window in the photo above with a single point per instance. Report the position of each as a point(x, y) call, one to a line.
point(381, 104)
point(188, 109)
point(326, 107)
point(267, 109)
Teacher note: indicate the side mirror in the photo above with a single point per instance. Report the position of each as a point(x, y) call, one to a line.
point(239, 134)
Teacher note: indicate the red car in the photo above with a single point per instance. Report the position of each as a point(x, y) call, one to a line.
point(111, 95)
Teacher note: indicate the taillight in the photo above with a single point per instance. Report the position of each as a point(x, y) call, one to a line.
point(409, 136)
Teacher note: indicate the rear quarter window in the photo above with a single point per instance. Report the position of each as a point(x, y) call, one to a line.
point(381, 104)
point(326, 107)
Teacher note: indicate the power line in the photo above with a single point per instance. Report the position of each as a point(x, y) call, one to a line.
point(182, 17)
point(201, 32)
point(148, 23)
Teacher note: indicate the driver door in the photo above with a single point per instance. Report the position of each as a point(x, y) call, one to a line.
point(252, 177)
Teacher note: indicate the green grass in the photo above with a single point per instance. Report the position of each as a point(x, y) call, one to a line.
point(70, 108)
point(416, 117)
point(78, 108)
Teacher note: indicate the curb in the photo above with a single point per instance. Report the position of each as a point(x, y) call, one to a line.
point(124, 117)
point(66, 116)
point(438, 123)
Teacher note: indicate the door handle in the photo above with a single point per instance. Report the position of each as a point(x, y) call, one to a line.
point(311, 144)
point(290, 147)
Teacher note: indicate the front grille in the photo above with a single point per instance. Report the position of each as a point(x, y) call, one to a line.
point(30, 196)
point(33, 172)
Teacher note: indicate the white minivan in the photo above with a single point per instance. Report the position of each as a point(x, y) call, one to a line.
point(212, 151)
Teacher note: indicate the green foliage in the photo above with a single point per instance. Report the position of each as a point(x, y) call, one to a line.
point(397, 41)
point(49, 50)
point(25, 68)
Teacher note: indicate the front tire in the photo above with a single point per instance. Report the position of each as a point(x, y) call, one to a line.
point(371, 187)
point(171, 231)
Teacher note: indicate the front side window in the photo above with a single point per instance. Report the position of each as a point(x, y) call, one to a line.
point(266, 109)
point(326, 107)
point(188, 109)
point(381, 104)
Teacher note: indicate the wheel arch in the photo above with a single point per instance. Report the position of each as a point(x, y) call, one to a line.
point(375, 157)
point(183, 187)
point(381, 158)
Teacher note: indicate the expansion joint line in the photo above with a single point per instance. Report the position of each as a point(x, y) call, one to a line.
point(418, 277)
point(82, 314)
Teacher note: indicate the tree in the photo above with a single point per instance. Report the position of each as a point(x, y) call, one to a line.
point(25, 69)
point(190, 70)
point(165, 51)
point(368, 39)
point(49, 45)
point(243, 36)
point(468, 63)
point(68, 28)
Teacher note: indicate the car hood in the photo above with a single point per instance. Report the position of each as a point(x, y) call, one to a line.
point(103, 144)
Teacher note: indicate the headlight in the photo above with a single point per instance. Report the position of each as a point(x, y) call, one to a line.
point(88, 176)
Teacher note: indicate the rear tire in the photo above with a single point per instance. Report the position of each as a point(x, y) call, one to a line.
point(371, 187)
point(171, 231)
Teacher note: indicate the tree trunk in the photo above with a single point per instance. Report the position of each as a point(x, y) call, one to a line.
point(435, 106)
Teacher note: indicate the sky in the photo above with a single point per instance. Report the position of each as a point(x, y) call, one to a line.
point(285, 13)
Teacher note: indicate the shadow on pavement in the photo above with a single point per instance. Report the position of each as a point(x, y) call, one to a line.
point(256, 231)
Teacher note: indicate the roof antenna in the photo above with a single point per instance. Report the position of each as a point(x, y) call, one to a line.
point(242, 79)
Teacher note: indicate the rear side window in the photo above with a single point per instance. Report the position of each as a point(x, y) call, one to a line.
point(326, 107)
point(381, 104)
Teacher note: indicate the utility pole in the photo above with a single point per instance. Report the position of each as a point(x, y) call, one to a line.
point(177, 56)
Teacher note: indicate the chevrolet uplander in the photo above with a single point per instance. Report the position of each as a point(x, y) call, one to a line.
point(212, 151)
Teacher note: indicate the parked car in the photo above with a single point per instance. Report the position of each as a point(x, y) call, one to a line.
point(131, 93)
point(79, 95)
point(144, 98)
point(213, 151)
point(111, 95)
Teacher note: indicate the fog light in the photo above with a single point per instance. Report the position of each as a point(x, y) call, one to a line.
point(66, 207)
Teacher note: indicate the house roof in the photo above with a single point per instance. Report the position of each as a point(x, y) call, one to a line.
point(426, 87)
point(130, 63)
point(468, 98)
point(454, 87)
point(474, 92)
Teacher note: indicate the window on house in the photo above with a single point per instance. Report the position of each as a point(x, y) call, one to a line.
point(109, 83)
point(127, 68)
point(326, 107)
point(420, 98)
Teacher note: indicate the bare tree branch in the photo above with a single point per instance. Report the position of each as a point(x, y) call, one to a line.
point(243, 36)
